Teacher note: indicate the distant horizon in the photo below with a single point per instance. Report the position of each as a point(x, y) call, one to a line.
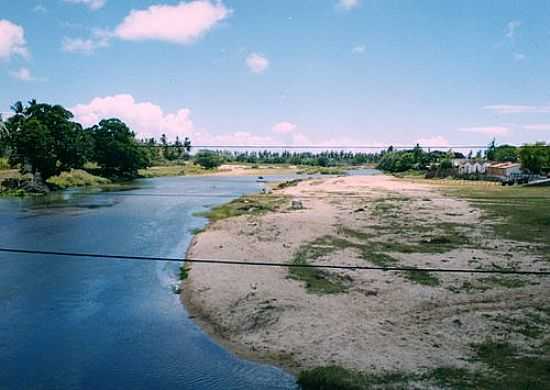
point(318, 73)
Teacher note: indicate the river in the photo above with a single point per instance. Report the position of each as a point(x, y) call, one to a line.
point(75, 323)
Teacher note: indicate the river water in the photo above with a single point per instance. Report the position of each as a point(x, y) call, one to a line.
point(74, 323)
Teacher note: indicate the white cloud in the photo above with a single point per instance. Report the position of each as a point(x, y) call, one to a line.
point(283, 128)
point(39, 9)
point(348, 4)
point(146, 119)
point(149, 120)
point(23, 74)
point(494, 130)
point(99, 39)
point(519, 57)
point(91, 4)
point(433, 141)
point(538, 126)
point(238, 138)
point(182, 23)
point(517, 109)
point(511, 28)
point(12, 40)
point(359, 49)
point(257, 63)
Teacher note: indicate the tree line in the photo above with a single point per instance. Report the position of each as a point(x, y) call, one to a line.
point(534, 158)
point(44, 140)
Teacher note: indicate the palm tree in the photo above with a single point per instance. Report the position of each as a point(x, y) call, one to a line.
point(18, 108)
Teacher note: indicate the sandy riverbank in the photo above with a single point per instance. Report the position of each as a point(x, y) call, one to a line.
point(379, 321)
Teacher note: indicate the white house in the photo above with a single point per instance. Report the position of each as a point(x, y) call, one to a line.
point(468, 167)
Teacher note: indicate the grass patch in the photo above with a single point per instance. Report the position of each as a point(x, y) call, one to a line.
point(287, 184)
point(506, 368)
point(256, 204)
point(484, 284)
point(316, 280)
point(524, 212)
point(321, 171)
point(196, 231)
point(421, 277)
point(175, 170)
point(77, 178)
point(339, 378)
point(184, 272)
point(4, 163)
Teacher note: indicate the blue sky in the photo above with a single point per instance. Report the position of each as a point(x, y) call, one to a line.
point(288, 71)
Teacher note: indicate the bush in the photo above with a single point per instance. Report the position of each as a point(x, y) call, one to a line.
point(4, 163)
point(209, 159)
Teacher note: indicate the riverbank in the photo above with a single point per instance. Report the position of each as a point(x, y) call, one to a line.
point(82, 178)
point(381, 327)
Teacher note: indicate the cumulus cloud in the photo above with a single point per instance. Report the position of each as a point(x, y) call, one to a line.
point(23, 74)
point(91, 4)
point(99, 39)
point(149, 120)
point(348, 4)
point(182, 23)
point(257, 63)
point(517, 109)
point(146, 119)
point(12, 40)
point(359, 49)
point(433, 141)
point(494, 130)
point(283, 128)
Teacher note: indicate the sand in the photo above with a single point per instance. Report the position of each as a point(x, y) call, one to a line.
point(384, 322)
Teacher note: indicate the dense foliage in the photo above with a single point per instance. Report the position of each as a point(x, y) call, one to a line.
point(209, 159)
point(535, 158)
point(115, 149)
point(417, 159)
point(323, 159)
point(42, 138)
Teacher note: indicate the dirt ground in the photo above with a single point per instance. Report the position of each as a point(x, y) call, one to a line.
point(377, 320)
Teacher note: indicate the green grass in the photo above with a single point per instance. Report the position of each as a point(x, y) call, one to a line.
point(504, 367)
point(321, 171)
point(174, 170)
point(440, 243)
point(524, 212)
point(196, 231)
point(315, 280)
point(484, 284)
point(4, 163)
point(286, 184)
point(338, 378)
point(256, 204)
point(423, 278)
point(76, 178)
point(184, 272)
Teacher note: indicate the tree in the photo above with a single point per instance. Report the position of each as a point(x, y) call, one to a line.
point(505, 153)
point(43, 139)
point(208, 159)
point(535, 158)
point(116, 150)
point(490, 152)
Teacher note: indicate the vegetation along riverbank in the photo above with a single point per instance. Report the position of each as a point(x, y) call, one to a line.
point(350, 329)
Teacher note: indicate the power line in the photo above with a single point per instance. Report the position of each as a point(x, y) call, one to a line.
point(256, 263)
